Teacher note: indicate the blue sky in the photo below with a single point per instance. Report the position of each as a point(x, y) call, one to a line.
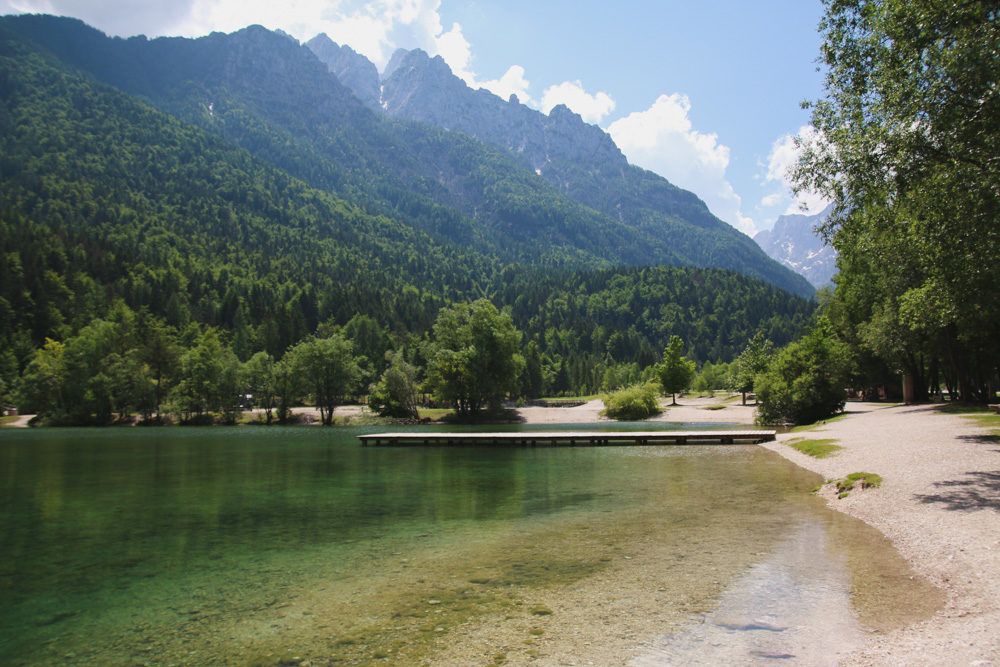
point(705, 93)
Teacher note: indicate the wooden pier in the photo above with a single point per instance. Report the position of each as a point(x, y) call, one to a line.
point(565, 438)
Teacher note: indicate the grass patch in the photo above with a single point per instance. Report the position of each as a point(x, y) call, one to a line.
point(821, 422)
point(8, 419)
point(560, 399)
point(960, 408)
point(434, 414)
point(984, 418)
point(860, 480)
point(716, 406)
point(819, 449)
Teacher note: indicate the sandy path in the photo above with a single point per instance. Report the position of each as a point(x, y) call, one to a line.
point(939, 503)
point(689, 409)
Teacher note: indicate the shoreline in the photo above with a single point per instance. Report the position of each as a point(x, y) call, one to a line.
point(939, 505)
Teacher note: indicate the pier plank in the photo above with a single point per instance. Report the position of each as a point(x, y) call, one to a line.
point(565, 438)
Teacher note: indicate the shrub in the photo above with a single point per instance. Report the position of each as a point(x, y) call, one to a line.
point(802, 383)
point(632, 403)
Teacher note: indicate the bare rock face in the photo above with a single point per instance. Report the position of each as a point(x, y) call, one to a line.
point(794, 242)
point(418, 87)
point(350, 67)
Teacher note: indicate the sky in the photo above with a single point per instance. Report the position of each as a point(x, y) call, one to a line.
point(708, 94)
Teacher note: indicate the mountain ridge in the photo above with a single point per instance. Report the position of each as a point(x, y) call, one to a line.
point(794, 242)
point(579, 159)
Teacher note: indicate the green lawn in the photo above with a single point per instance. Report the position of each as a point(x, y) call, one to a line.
point(819, 449)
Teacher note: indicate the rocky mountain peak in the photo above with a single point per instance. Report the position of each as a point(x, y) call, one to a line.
point(793, 241)
point(350, 67)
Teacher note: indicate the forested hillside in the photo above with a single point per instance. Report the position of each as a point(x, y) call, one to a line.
point(272, 96)
point(103, 197)
point(584, 323)
point(126, 232)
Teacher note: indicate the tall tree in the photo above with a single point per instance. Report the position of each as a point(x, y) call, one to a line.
point(328, 370)
point(395, 394)
point(676, 371)
point(908, 146)
point(473, 358)
point(751, 363)
point(259, 374)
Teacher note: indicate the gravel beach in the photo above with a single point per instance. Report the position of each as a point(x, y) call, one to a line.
point(939, 504)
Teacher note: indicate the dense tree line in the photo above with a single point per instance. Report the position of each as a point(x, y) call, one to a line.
point(596, 330)
point(907, 145)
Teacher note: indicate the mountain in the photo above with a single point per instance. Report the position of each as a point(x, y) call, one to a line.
point(104, 197)
point(273, 97)
point(113, 208)
point(351, 68)
point(578, 159)
point(794, 242)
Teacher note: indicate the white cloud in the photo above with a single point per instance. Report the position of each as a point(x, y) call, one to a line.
point(457, 52)
point(783, 156)
point(571, 93)
point(513, 82)
point(772, 199)
point(662, 139)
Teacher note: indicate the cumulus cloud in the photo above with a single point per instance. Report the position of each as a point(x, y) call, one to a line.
point(784, 154)
point(663, 139)
point(116, 17)
point(772, 199)
point(513, 82)
point(571, 93)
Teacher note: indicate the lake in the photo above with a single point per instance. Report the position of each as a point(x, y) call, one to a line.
point(256, 545)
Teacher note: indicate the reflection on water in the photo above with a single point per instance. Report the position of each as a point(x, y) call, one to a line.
point(268, 544)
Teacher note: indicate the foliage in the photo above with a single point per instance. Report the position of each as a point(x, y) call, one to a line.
point(804, 381)
point(395, 395)
point(632, 403)
point(261, 382)
point(473, 358)
point(675, 372)
point(907, 146)
point(587, 322)
point(326, 369)
point(209, 379)
point(819, 449)
point(712, 377)
point(752, 362)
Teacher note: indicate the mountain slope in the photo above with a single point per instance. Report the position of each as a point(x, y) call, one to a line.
point(794, 242)
point(103, 197)
point(579, 159)
point(272, 96)
point(106, 199)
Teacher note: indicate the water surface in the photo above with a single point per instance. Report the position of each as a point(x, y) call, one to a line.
point(271, 545)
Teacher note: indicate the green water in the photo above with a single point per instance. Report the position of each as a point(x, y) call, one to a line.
point(275, 545)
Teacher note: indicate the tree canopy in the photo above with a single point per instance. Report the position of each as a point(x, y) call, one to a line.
point(907, 145)
point(676, 371)
point(473, 357)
